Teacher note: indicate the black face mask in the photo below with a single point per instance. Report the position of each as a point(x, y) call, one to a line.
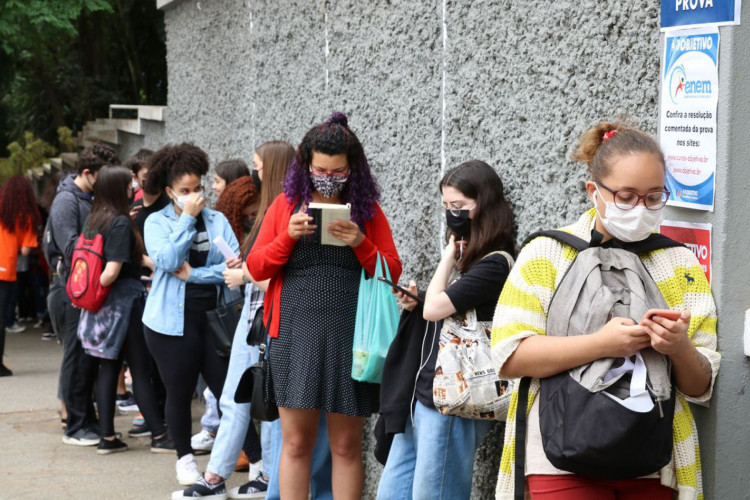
point(460, 224)
point(247, 225)
point(256, 179)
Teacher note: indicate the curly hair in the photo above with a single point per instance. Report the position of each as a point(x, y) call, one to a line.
point(235, 198)
point(605, 141)
point(95, 157)
point(18, 210)
point(334, 137)
point(172, 162)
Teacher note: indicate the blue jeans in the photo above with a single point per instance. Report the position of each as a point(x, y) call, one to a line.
point(235, 417)
point(433, 459)
point(210, 419)
point(320, 467)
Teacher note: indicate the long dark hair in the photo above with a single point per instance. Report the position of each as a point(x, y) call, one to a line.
point(18, 209)
point(276, 157)
point(334, 137)
point(492, 227)
point(111, 200)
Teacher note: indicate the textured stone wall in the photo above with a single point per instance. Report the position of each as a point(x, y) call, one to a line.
point(426, 85)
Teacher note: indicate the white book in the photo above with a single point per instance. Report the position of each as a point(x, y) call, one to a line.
point(324, 214)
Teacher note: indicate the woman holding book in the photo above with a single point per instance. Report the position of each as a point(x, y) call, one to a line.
point(311, 303)
point(432, 455)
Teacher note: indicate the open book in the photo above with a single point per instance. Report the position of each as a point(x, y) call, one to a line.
point(323, 214)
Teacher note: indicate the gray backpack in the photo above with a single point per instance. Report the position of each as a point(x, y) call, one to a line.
point(612, 418)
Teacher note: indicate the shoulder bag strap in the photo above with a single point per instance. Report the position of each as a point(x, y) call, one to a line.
point(519, 485)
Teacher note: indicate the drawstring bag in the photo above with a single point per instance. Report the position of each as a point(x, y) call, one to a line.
point(375, 325)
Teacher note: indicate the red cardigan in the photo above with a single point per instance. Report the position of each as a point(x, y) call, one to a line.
point(273, 247)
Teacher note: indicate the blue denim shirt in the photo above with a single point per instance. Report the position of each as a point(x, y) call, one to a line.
point(168, 239)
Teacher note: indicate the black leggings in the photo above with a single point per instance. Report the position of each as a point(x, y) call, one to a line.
point(6, 288)
point(135, 352)
point(180, 360)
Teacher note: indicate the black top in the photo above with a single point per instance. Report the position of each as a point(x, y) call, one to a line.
point(119, 246)
point(143, 213)
point(478, 289)
point(197, 257)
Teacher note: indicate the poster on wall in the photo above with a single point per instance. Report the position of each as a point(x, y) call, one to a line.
point(695, 236)
point(689, 95)
point(681, 14)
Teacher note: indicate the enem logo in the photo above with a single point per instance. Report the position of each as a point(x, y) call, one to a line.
point(680, 87)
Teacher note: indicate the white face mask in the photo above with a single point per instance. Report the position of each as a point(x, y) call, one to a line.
point(631, 225)
point(180, 201)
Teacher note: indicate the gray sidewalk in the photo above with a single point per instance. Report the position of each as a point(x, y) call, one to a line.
point(34, 464)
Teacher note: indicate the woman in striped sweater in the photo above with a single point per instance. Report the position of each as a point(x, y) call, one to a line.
point(627, 172)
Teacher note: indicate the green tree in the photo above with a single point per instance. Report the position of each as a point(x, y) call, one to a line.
point(25, 155)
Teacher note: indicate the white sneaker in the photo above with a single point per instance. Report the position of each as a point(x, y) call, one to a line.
point(15, 328)
point(203, 441)
point(187, 470)
point(255, 470)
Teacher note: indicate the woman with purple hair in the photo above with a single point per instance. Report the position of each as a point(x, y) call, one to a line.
point(311, 304)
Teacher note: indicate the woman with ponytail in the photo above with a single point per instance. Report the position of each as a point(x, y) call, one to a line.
point(311, 304)
point(626, 187)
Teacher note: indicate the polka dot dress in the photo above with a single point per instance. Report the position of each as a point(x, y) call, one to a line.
point(311, 360)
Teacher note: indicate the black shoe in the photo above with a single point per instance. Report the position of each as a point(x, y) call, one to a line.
point(202, 489)
point(5, 371)
point(162, 445)
point(139, 431)
point(106, 447)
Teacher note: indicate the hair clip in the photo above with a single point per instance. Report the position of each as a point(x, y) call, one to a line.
point(608, 135)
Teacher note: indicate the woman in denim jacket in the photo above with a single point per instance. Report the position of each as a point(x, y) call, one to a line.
point(187, 282)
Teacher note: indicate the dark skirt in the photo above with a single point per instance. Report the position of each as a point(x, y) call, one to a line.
point(311, 360)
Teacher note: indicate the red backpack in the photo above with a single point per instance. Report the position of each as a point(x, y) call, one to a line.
point(84, 286)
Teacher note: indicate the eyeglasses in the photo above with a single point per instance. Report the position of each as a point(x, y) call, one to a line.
point(626, 199)
point(456, 211)
point(334, 176)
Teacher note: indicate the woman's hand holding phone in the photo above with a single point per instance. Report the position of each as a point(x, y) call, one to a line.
point(668, 330)
point(407, 303)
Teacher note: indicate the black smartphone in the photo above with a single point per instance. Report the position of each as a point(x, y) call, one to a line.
point(402, 290)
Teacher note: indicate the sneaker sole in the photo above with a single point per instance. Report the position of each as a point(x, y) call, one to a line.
point(128, 409)
point(234, 493)
point(110, 451)
point(177, 495)
point(162, 451)
point(139, 434)
point(79, 442)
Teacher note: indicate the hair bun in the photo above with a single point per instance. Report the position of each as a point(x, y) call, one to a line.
point(340, 118)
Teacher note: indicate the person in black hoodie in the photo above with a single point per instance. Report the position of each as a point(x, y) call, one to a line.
point(68, 213)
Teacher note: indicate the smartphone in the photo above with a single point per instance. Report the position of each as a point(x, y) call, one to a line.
point(402, 290)
point(664, 313)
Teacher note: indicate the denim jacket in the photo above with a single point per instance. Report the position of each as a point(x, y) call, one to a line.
point(168, 238)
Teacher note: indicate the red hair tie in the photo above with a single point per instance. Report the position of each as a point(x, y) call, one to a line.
point(608, 135)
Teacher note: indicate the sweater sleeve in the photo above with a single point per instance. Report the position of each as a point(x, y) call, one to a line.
point(379, 239)
point(273, 246)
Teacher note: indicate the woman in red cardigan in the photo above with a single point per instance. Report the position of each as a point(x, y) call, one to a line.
point(311, 304)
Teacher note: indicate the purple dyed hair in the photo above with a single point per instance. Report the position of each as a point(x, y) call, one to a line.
point(333, 137)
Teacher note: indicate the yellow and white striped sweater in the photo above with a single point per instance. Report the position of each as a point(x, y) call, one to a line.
point(522, 312)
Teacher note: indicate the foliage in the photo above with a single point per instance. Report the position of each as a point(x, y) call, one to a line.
point(64, 61)
point(65, 139)
point(25, 155)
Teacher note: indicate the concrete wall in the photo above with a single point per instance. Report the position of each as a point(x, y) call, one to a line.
point(430, 84)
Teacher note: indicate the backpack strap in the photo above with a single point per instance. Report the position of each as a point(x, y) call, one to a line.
point(565, 238)
point(519, 484)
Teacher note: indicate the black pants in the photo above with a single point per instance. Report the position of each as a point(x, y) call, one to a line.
point(77, 371)
point(135, 352)
point(180, 361)
point(6, 289)
point(251, 446)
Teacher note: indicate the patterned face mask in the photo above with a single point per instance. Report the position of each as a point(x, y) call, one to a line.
point(329, 186)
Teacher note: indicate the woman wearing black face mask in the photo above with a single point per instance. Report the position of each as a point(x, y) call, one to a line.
point(479, 222)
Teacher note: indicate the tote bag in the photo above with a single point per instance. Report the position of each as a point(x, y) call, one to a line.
point(375, 325)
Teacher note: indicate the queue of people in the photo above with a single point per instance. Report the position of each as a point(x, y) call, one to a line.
point(599, 322)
